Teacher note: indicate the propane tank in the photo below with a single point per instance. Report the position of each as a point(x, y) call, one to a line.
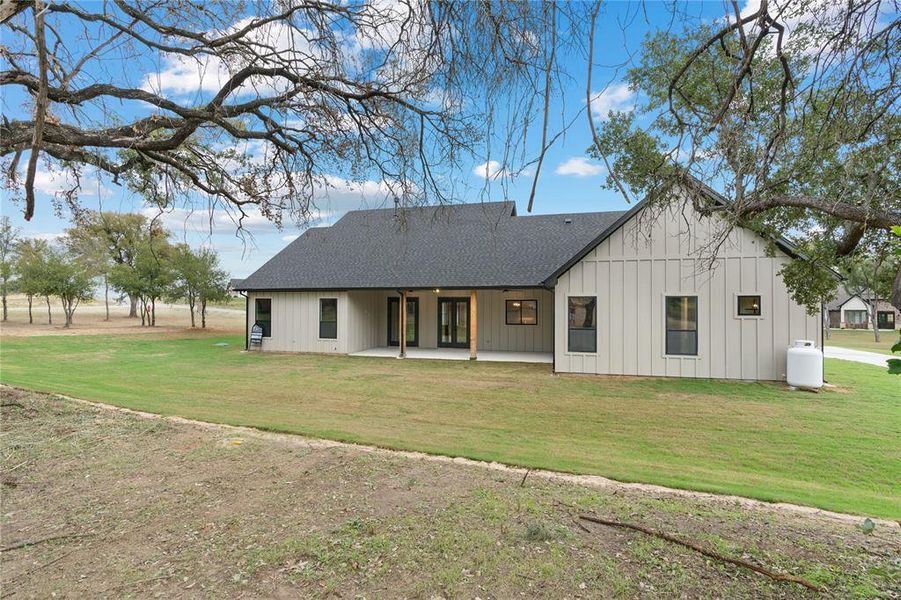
point(805, 365)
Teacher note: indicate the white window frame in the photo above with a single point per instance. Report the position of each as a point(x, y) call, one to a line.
point(735, 314)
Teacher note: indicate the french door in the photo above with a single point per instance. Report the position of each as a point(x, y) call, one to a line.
point(453, 322)
point(394, 321)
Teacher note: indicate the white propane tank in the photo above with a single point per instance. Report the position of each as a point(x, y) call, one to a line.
point(805, 365)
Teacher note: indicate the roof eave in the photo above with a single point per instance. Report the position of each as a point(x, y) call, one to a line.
point(551, 281)
point(781, 242)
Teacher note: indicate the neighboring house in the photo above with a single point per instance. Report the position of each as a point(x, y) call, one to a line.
point(607, 292)
point(233, 286)
point(851, 311)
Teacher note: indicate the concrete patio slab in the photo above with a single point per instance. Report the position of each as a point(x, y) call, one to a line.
point(460, 354)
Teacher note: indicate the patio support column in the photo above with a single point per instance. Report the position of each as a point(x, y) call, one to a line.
point(402, 334)
point(473, 324)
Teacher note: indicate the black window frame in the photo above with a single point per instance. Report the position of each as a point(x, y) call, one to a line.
point(521, 301)
point(881, 313)
point(453, 301)
point(570, 329)
point(394, 306)
point(667, 330)
point(267, 324)
point(322, 322)
point(738, 309)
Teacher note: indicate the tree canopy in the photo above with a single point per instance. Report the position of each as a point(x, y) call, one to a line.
point(291, 94)
point(799, 128)
point(788, 107)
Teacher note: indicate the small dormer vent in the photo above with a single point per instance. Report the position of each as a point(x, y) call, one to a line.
point(567, 221)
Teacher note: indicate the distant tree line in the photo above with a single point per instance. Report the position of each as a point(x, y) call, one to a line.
point(125, 253)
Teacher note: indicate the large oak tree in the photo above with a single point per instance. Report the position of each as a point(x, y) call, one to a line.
point(789, 107)
point(264, 103)
point(791, 110)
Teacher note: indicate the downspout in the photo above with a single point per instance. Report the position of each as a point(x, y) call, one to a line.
point(823, 339)
point(246, 338)
point(553, 290)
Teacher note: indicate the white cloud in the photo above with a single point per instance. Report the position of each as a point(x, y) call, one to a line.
point(491, 170)
point(58, 182)
point(50, 237)
point(186, 75)
point(579, 166)
point(181, 74)
point(818, 19)
point(333, 196)
point(205, 221)
point(616, 97)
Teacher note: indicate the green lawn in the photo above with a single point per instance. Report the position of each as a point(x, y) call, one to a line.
point(860, 339)
point(839, 449)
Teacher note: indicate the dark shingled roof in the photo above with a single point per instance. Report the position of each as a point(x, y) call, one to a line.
point(461, 246)
point(841, 297)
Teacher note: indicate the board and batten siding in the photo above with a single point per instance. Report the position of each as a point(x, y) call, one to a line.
point(363, 320)
point(493, 332)
point(295, 322)
point(632, 271)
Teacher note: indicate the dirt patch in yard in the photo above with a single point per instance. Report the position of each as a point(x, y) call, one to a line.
point(155, 507)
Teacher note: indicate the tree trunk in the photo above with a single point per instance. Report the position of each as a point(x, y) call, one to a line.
point(143, 311)
point(133, 307)
point(4, 306)
point(203, 313)
point(30, 300)
point(191, 302)
point(66, 317)
point(106, 295)
point(896, 290)
point(153, 312)
point(874, 319)
point(49, 313)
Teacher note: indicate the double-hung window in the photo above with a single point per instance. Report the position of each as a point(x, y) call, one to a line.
point(682, 325)
point(328, 318)
point(582, 324)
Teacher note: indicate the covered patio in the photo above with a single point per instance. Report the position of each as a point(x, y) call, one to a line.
point(452, 324)
point(459, 354)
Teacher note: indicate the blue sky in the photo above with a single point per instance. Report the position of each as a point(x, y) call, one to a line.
point(569, 181)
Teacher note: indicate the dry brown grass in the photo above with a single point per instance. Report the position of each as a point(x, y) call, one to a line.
point(90, 319)
point(178, 510)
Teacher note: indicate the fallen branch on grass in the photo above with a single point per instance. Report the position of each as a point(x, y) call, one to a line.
point(708, 553)
point(526, 474)
point(52, 538)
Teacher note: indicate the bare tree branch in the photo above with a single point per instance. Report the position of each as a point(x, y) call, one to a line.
point(40, 111)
